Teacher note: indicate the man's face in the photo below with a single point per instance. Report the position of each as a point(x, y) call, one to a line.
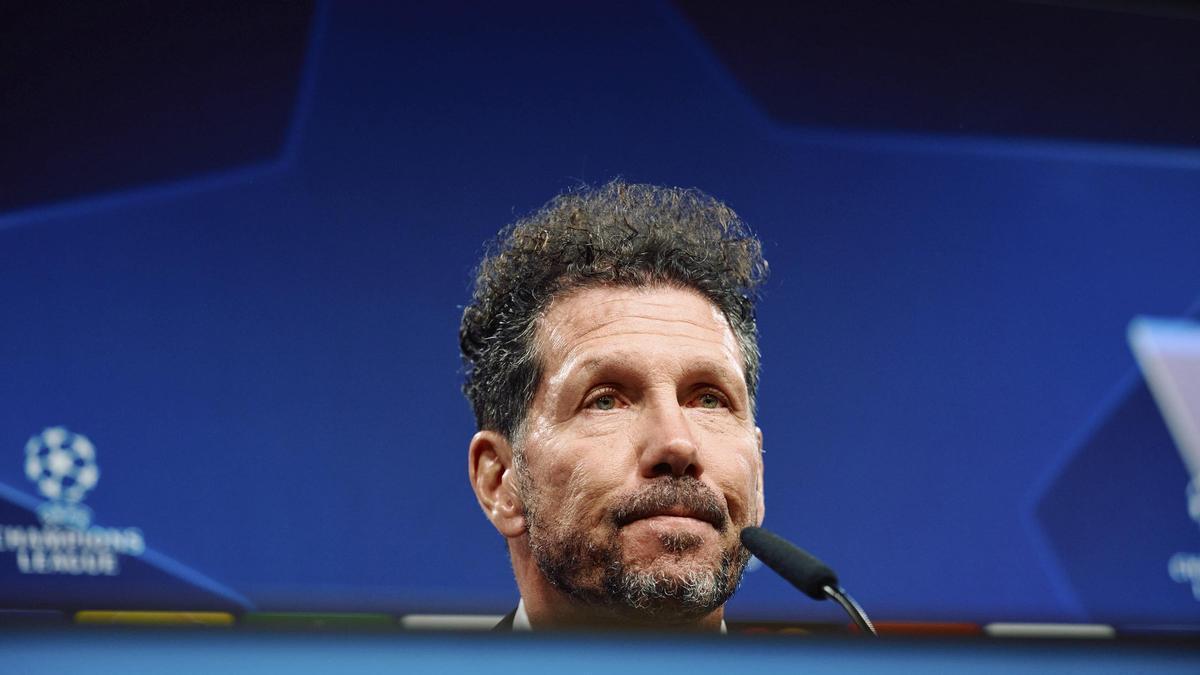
point(640, 462)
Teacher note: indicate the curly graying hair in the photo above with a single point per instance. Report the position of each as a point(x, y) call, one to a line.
point(618, 234)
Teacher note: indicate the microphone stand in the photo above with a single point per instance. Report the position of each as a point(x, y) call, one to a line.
point(813, 577)
point(841, 597)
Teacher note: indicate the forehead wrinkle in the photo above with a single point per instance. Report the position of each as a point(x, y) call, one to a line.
point(713, 334)
point(551, 332)
point(693, 338)
point(575, 364)
point(668, 320)
point(726, 343)
point(639, 295)
point(643, 295)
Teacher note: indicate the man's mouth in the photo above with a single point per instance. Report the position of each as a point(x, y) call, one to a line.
point(677, 511)
point(680, 498)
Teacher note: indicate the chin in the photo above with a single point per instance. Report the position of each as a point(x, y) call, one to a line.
point(648, 571)
point(683, 568)
point(669, 593)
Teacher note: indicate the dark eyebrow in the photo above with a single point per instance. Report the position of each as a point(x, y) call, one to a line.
point(622, 362)
point(619, 361)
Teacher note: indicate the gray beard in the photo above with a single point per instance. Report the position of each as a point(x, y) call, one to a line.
point(595, 573)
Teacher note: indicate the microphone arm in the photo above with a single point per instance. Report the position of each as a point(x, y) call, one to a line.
point(857, 615)
point(804, 571)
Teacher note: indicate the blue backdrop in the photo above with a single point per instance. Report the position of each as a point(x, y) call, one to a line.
point(254, 320)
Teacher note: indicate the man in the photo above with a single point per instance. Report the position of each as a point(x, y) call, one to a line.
point(612, 363)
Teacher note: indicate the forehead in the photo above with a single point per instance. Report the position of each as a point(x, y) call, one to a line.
point(647, 321)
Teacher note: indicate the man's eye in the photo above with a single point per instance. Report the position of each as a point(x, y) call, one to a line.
point(605, 402)
point(710, 400)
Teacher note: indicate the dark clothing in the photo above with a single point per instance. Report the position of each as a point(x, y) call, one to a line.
point(506, 624)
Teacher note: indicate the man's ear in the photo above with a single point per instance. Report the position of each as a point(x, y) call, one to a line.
point(493, 477)
point(762, 502)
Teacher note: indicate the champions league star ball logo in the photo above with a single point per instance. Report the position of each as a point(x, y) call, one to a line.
point(63, 466)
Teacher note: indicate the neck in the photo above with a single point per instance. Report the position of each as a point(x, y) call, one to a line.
point(550, 609)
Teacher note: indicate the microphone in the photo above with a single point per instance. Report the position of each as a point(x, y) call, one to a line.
point(804, 571)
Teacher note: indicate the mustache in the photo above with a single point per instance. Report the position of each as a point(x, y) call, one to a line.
point(683, 495)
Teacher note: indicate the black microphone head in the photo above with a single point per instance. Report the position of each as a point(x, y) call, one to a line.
point(790, 561)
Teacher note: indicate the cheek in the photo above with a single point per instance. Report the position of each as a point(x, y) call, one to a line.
point(739, 484)
point(578, 492)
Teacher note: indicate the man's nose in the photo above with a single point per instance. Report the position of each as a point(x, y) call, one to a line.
point(667, 443)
